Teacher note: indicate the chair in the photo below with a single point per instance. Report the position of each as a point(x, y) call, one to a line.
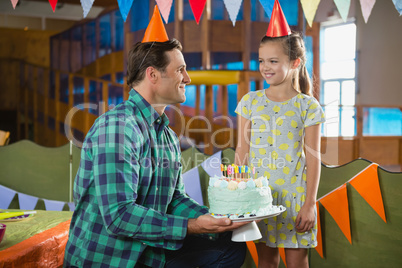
point(4, 137)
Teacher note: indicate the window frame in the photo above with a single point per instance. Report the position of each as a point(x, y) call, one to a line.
point(341, 107)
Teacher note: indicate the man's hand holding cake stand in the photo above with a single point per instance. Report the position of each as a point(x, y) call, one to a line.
point(209, 224)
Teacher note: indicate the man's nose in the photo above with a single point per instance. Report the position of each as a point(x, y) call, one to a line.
point(186, 78)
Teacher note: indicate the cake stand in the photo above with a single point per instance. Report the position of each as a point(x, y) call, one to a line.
point(250, 232)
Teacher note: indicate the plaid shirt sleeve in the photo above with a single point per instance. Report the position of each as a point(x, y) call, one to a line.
point(116, 179)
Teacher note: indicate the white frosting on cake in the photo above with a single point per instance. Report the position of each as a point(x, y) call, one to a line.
point(239, 198)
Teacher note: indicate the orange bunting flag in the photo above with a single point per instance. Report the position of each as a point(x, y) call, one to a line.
point(282, 254)
point(155, 31)
point(367, 185)
point(318, 248)
point(337, 205)
point(53, 4)
point(253, 251)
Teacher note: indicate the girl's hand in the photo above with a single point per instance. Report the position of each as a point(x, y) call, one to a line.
point(305, 218)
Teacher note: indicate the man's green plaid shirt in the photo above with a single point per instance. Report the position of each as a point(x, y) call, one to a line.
point(129, 195)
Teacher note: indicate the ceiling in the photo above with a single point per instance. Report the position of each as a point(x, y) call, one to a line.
point(27, 12)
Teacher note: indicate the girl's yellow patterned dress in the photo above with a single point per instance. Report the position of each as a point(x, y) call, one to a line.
point(276, 151)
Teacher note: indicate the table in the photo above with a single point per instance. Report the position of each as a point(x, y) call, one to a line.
point(37, 241)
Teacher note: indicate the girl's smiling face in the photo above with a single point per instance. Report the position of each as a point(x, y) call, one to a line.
point(274, 63)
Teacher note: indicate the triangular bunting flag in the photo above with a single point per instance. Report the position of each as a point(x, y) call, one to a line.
point(14, 2)
point(318, 248)
point(53, 4)
point(283, 255)
point(164, 8)
point(343, 8)
point(309, 9)
point(155, 31)
point(212, 165)
point(367, 185)
point(366, 6)
point(125, 6)
point(6, 196)
point(86, 6)
point(53, 205)
point(278, 26)
point(253, 251)
point(267, 5)
point(71, 205)
point(27, 202)
point(337, 205)
point(398, 5)
point(197, 6)
point(192, 185)
point(233, 7)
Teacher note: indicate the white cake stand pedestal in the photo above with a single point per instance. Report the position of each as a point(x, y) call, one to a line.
point(248, 232)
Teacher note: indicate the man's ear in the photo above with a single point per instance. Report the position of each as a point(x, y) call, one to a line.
point(296, 63)
point(151, 74)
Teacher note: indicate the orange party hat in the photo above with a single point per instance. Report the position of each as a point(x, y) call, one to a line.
point(278, 26)
point(155, 31)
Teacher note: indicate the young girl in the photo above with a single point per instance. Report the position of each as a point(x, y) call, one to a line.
point(279, 134)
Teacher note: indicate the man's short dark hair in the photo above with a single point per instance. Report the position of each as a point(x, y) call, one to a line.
point(143, 55)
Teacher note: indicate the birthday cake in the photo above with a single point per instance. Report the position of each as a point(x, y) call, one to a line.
point(236, 195)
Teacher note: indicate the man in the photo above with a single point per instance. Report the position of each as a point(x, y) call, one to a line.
point(131, 208)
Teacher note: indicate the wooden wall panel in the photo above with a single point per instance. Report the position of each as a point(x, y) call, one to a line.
point(30, 99)
point(258, 31)
point(336, 151)
point(134, 38)
point(108, 64)
point(64, 55)
point(191, 37)
point(170, 28)
point(91, 121)
point(9, 84)
point(41, 103)
point(224, 37)
point(30, 46)
point(76, 56)
point(382, 150)
point(78, 120)
point(346, 148)
point(52, 107)
point(63, 110)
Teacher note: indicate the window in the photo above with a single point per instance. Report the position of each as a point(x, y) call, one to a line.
point(338, 78)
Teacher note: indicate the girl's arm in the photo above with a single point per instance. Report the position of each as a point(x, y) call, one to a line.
point(312, 140)
point(243, 141)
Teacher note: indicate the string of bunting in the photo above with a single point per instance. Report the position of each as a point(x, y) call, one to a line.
point(29, 202)
point(367, 184)
point(233, 7)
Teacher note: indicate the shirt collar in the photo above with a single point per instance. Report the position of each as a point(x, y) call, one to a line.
point(150, 115)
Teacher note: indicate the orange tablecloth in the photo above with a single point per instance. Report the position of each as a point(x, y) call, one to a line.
point(44, 249)
point(41, 250)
